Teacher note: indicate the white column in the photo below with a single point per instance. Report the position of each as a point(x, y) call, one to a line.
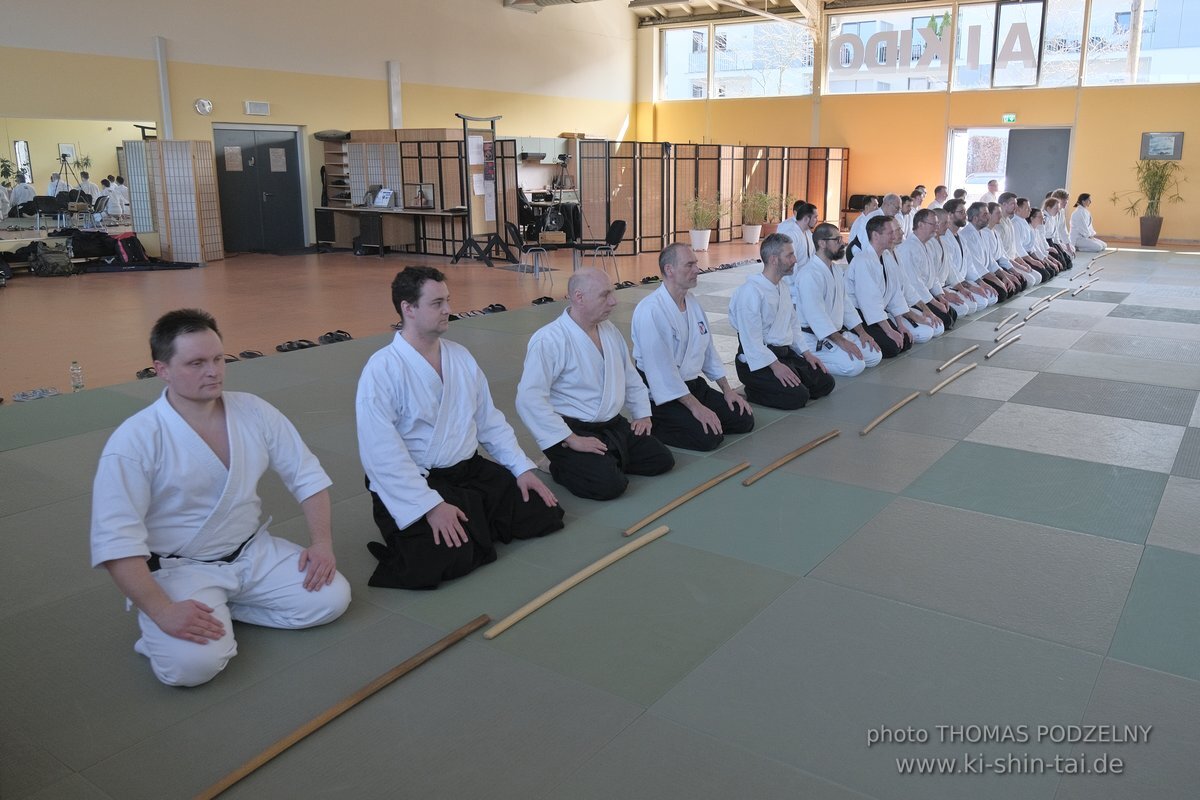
point(164, 86)
point(395, 105)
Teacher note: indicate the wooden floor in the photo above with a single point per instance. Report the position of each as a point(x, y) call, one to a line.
point(103, 320)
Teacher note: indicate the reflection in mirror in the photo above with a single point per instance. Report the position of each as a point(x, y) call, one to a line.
point(93, 146)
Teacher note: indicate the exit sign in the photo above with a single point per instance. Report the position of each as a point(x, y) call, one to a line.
point(1009, 118)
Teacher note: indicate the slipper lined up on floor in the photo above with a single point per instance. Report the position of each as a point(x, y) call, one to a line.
point(543, 300)
point(333, 337)
point(247, 354)
point(148, 372)
point(298, 344)
point(34, 394)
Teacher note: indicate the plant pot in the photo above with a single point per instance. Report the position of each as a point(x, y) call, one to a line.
point(699, 240)
point(1151, 228)
point(769, 228)
point(751, 234)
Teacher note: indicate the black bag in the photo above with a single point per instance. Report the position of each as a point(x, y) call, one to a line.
point(47, 263)
point(130, 250)
point(93, 244)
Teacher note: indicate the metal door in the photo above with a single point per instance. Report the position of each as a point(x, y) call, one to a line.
point(258, 178)
point(1037, 161)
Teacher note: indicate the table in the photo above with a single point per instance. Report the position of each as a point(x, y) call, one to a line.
point(432, 231)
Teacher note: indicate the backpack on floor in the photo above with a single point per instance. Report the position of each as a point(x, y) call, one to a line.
point(93, 244)
point(46, 262)
point(129, 249)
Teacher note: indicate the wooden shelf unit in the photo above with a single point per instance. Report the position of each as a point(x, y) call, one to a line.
point(337, 174)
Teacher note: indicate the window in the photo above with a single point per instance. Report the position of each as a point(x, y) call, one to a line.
point(1062, 43)
point(1018, 44)
point(1169, 55)
point(748, 59)
point(903, 50)
point(684, 63)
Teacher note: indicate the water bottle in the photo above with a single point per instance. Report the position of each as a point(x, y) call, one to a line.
point(76, 377)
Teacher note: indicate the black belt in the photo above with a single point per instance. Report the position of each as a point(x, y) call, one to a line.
point(154, 562)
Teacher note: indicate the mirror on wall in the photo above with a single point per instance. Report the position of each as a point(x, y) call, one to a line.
point(36, 146)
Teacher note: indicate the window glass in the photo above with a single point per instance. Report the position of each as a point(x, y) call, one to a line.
point(762, 59)
point(1162, 47)
point(1018, 44)
point(973, 45)
point(900, 50)
point(684, 63)
point(1062, 43)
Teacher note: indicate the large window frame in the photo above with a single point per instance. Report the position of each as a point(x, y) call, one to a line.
point(718, 44)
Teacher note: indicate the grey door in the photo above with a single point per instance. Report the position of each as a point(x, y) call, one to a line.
point(1037, 161)
point(258, 179)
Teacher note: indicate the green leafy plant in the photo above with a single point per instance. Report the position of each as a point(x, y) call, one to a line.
point(7, 170)
point(760, 208)
point(1158, 182)
point(703, 213)
point(82, 162)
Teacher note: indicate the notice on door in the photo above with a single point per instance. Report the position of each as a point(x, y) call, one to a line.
point(233, 159)
point(278, 159)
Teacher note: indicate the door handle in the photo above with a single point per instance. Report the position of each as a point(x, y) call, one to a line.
point(266, 195)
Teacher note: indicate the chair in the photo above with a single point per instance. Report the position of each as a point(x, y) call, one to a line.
point(45, 205)
point(98, 212)
point(608, 249)
point(534, 250)
point(527, 215)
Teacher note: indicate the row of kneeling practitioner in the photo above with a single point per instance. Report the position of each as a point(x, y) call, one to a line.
point(177, 520)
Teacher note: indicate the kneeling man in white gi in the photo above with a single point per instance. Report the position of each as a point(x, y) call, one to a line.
point(423, 410)
point(578, 376)
point(176, 514)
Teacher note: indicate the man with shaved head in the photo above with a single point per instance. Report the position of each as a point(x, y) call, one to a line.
point(578, 376)
point(673, 347)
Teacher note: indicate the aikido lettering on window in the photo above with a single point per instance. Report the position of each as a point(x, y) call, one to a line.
point(899, 51)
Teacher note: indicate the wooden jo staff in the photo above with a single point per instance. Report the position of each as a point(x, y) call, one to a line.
point(1057, 294)
point(1004, 321)
point(799, 451)
point(968, 351)
point(678, 501)
point(1007, 331)
point(573, 581)
point(1002, 345)
point(1034, 313)
point(335, 711)
point(871, 426)
point(953, 377)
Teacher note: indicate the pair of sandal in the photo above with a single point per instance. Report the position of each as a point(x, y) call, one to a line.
point(298, 344)
point(624, 285)
point(333, 337)
point(543, 300)
point(34, 394)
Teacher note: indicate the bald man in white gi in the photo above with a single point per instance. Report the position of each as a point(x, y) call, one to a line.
point(673, 348)
point(177, 521)
point(829, 326)
point(578, 376)
point(423, 410)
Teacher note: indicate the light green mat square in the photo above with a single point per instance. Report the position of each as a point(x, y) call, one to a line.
point(1111, 501)
point(640, 625)
point(806, 680)
point(784, 521)
point(23, 424)
point(76, 687)
point(1160, 628)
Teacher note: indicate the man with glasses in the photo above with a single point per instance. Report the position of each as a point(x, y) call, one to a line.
point(924, 281)
point(829, 325)
point(963, 264)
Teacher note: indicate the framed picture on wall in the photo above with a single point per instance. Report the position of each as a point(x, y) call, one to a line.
point(419, 195)
point(1162, 146)
point(67, 150)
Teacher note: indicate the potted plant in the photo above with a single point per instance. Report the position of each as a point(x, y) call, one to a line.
point(703, 215)
point(82, 162)
point(1158, 181)
point(7, 171)
point(757, 208)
